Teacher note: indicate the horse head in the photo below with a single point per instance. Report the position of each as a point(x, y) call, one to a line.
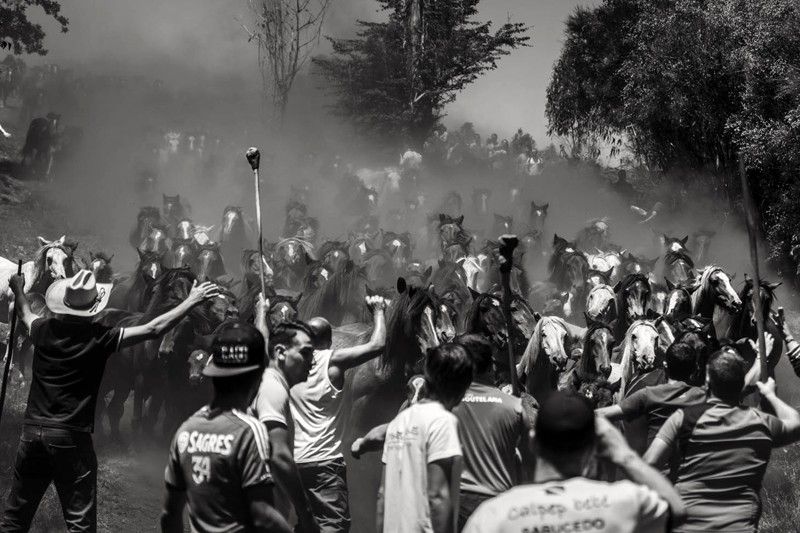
point(767, 294)
point(151, 265)
point(639, 348)
point(197, 361)
point(678, 301)
point(450, 229)
point(210, 265)
point(399, 247)
point(184, 230)
point(283, 307)
point(502, 224)
point(538, 215)
point(597, 347)
point(601, 303)
point(480, 200)
point(54, 258)
point(171, 207)
point(673, 244)
point(714, 286)
point(633, 294)
point(182, 255)
point(334, 255)
point(100, 265)
point(232, 221)
point(680, 266)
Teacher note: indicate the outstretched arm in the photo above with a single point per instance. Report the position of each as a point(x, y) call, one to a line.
point(161, 324)
point(346, 358)
point(371, 442)
point(21, 303)
point(785, 413)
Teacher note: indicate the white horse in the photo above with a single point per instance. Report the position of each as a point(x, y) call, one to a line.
point(638, 352)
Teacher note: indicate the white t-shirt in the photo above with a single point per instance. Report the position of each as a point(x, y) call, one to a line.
point(572, 505)
point(424, 433)
point(316, 404)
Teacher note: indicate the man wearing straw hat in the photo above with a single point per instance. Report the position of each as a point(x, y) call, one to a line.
point(70, 353)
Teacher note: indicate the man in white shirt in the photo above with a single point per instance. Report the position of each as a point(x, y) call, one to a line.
point(316, 405)
point(561, 499)
point(421, 472)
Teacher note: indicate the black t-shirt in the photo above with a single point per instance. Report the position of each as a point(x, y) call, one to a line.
point(69, 359)
point(215, 457)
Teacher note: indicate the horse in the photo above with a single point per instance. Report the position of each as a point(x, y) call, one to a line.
point(714, 298)
point(532, 243)
point(568, 266)
point(138, 368)
point(449, 283)
point(633, 295)
point(184, 230)
point(606, 261)
point(292, 256)
point(678, 266)
point(232, 234)
point(158, 240)
point(502, 225)
point(41, 143)
point(147, 218)
point(358, 244)
point(631, 264)
point(339, 298)
point(638, 354)
point(250, 285)
point(183, 254)
point(379, 267)
point(743, 323)
point(596, 277)
point(673, 244)
point(399, 246)
point(518, 278)
point(451, 232)
point(210, 265)
point(100, 265)
point(601, 304)
point(452, 205)
point(538, 216)
point(283, 307)
point(172, 209)
point(375, 390)
point(417, 274)
point(132, 293)
point(333, 255)
point(678, 301)
point(548, 355)
point(485, 317)
point(593, 371)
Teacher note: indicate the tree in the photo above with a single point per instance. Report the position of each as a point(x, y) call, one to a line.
point(695, 85)
point(18, 34)
point(285, 32)
point(394, 79)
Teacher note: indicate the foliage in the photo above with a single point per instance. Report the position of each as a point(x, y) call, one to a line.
point(393, 80)
point(694, 85)
point(18, 34)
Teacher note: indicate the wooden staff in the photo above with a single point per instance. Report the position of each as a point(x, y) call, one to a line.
point(751, 219)
point(507, 245)
point(9, 349)
point(254, 158)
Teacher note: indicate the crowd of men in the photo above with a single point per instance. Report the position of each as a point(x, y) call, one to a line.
point(460, 455)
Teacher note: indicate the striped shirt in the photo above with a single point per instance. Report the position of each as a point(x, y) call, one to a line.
point(723, 451)
point(214, 457)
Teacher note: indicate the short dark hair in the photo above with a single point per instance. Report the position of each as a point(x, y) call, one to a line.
point(726, 373)
point(681, 361)
point(285, 333)
point(448, 371)
point(479, 350)
point(565, 423)
point(226, 386)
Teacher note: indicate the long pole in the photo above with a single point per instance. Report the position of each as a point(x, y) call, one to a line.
point(751, 219)
point(9, 350)
point(507, 245)
point(254, 158)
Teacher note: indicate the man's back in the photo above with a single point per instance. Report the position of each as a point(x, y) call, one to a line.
point(214, 457)
point(723, 454)
point(575, 504)
point(419, 435)
point(68, 364)
point(490, 424)
point(658, 402)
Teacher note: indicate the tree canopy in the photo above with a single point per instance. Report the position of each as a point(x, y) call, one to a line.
point(394, 78)
point(18, 34)
point(694, 84)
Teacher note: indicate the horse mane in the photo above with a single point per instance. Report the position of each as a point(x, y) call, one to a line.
point(700, 294)
point(162, 296)
point(402, 328)
point(530, 361)
point(341, 293)
point(472, 318)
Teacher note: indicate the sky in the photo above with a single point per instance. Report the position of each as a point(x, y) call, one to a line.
point(180, 40)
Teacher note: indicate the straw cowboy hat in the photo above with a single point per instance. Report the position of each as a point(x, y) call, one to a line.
point(79, 295)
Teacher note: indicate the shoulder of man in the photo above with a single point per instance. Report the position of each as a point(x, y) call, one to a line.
point(253, 430)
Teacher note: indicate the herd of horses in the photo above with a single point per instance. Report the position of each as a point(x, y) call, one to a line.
point(598, 322)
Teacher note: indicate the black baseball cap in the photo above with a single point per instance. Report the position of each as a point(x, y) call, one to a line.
point(565, 422)
point(237, 348)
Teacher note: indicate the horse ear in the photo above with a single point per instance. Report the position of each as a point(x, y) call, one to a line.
point(141, 253)
point(618, 286)
point(537, 316)
point(475, 294)
point(608, 273)
point(670, 286)
point(544, 207)
point(428, 272)
point(43, 241)
point(685, 240)
point(109, 258)
point(460, 220)
point(774, 286)
point(401, 285)
point(442, 218)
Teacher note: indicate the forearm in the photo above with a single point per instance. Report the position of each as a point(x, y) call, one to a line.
point(441, 506)
point(374, 439)
point(163, 323)
point(171, 523)
point(640, 472)
point(287, 476)
point(793, 352)
point(269, 520)
point(787, 414)
point(260, 323)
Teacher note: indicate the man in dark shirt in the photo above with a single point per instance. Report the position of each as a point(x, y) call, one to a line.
point(218, 460)
point(70, 353)
point(657, 403)
point(493, 429)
